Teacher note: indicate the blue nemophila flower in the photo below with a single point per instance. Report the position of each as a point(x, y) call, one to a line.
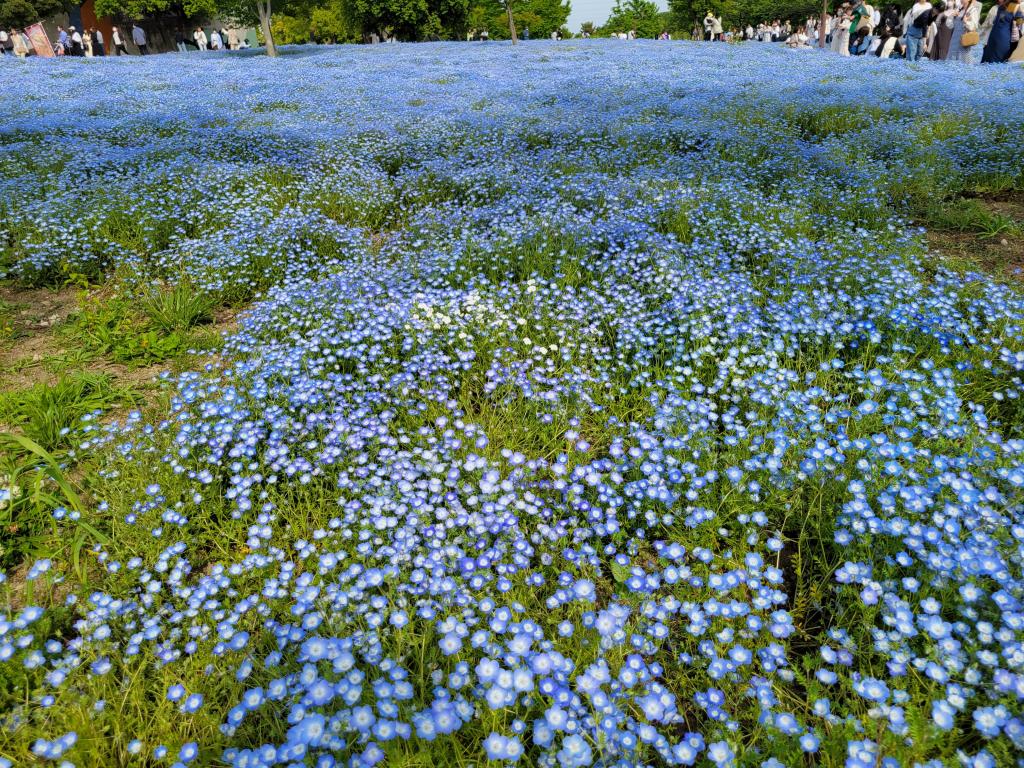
point(504, 748)
point(176, 692)
point(188, 752)
point(192, 703)
point(559, 380)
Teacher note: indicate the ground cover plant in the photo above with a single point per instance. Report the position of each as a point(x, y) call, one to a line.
point(594, 405)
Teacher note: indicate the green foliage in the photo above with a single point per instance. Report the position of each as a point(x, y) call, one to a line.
point(151, 330)
point(136, 9)
point(408, 19)
point(733, 13)
point(541, 17)
point(967, 215)
point(22, 13)
point(176, 308)
point(32, 486)
point(52, 415)
point(644, 16)
point(329, 22)
point(325, 22)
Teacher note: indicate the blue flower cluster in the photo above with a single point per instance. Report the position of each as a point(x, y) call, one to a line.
point(595, 408)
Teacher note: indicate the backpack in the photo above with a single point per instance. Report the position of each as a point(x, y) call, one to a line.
point(923, 19)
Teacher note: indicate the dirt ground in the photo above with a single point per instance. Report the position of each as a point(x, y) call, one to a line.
point(32, 351)
point(1001, 255)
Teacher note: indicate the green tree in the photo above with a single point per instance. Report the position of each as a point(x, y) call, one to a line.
point(22, 13)
point(408, 19)
point(733, 13)
point(247, 12)
point(641, 15)
point(329, 22)
point(325, 22)
point(542, 17)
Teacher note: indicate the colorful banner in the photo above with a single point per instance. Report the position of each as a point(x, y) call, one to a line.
point(40, 42)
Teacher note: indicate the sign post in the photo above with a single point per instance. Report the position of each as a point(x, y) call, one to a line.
point(40, 42)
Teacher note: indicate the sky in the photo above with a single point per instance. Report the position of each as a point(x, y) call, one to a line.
point(596, 11)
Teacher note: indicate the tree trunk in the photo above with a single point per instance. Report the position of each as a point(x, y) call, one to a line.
point(821, 23)
point(263, 9)
point(511, 22)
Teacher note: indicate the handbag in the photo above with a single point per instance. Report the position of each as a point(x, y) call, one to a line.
point(967, 39)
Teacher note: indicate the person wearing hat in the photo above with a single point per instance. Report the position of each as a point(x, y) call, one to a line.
point(77, 48)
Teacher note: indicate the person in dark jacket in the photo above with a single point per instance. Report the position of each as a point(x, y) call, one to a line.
point(1000, 38)
point(891, 17)
point(97, 43)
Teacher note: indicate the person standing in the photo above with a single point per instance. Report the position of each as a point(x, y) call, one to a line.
point(98, 48)
point(77, 49)
point(5, 42)
point(139, 38)
point(940, 32)
point(841, 31)
point(860, 18)
point(21, 47)
point(915, 23)
point(117, 40)
point(965, 30)
point(1005, 18)
point(200, 37)
point(215, 41)
point(63, 41)
point(709, 26)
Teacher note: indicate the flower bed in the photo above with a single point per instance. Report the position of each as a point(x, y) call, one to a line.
point(597, 405)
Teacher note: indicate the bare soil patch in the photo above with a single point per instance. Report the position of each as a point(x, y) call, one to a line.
point(1000, 254)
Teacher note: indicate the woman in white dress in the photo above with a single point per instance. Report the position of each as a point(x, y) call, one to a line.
point(841, 32)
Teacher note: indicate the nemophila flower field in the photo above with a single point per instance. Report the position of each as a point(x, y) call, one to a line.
point(595, 405)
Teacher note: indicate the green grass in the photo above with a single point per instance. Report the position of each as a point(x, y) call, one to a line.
point(966, 214)
point(176, 308)
point(51, 415)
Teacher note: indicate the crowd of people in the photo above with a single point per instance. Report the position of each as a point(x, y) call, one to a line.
point(941, 30)
point(74, 42)
point(953, 30)
point(218, 40)
point(90, 42)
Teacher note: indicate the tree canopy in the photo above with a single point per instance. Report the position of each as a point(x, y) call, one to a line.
point(541, 17)
point(735, 13)
point(644, 16)
point(408, 19)
point(22, 13)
